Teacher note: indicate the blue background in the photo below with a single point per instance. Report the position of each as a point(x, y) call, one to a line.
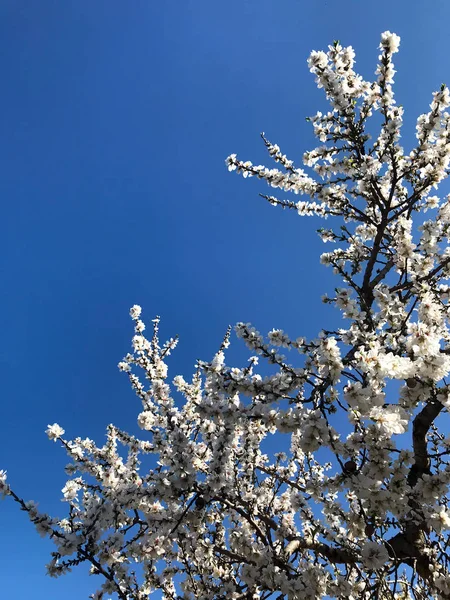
point(116, 119)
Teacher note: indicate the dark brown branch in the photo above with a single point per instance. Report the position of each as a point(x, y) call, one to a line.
point(421, 425)
point(409, 545)
point(381, 275)
point(334, 555)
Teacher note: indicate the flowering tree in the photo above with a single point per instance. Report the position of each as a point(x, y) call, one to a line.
point(358, 508)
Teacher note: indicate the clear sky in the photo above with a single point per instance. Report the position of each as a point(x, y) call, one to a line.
point(116, 118)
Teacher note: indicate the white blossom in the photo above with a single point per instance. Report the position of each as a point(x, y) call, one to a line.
point(374, 555)
point(135, 312)
point(390, 42)
point(4, 487)
point(390, 419)
point(54, 432)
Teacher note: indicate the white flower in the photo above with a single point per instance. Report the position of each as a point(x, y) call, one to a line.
point(374, 556)
point(396, 367)
point(139, 343)
point(440, 520)
point(442, 582)
point(4, 487)
point(390, 419)
point(218, 361)
point(54, 432)
point(277, 337)
point(135, 312)
point(390, 41)
point(70, 490)
point(317, 60)
point(330, 359)
point(231, 162)
point(146, 420)
point(140, 326)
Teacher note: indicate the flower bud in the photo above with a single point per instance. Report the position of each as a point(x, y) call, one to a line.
point(200, 502)
point(350, 466)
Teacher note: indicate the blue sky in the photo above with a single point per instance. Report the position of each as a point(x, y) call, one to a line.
point(116, 119)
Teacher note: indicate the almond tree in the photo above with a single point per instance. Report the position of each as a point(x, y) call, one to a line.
point(358, 507)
